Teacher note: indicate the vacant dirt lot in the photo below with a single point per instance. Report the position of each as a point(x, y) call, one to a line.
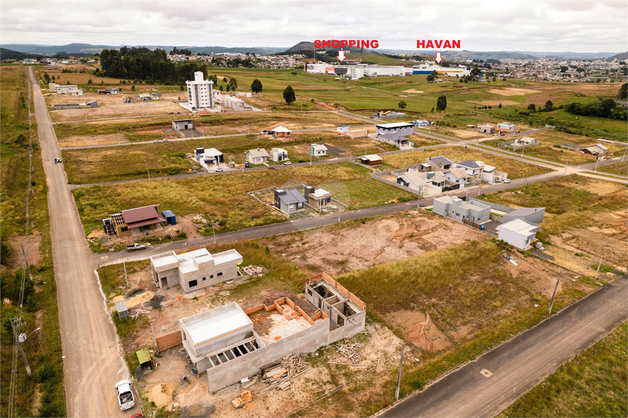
point(357, 246)
point(110, 106)
point(494, 102)
point(510, 91)
point(79, 141)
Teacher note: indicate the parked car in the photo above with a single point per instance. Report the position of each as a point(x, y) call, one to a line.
point(165, 140)
point(58, 160)
point(135, 247)
point(219, 170)
point(157, 140)
point(507, 181)
point(271, 168)
point(126, 400)
point(287, 163)
point(518, 132)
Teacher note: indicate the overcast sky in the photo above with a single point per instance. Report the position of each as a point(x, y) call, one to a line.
point(486, 25)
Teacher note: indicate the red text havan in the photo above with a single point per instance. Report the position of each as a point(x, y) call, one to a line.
point(437, 44)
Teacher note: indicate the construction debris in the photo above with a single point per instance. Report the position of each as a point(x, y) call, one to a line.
point(349, 351)
point(278, 375)
point(245, 397)
point(253, 270)
point(136, 313)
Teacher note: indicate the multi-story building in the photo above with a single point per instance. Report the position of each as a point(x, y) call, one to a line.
point(200, 92)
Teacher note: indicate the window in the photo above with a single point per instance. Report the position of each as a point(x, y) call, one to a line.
point(192, 283)
point(219, 274)
point(211, 276)
point(204, 278)
point(309, 292)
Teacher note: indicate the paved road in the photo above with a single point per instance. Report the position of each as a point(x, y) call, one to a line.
point(93, 361)
point(306, 223)
point(521, 363)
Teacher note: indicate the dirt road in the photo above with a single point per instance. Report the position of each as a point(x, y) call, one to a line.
point(93, 360)
point(488, 385)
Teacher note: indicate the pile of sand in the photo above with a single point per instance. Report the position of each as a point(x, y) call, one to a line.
point(413, 91)
point(161, 394)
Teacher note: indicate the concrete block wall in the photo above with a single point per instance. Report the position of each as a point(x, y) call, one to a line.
point(305, 341)
point(167, 341)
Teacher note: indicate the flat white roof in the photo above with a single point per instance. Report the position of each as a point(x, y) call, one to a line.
point(281, 129)
point(211, 152)
point(320, 192)
point(165, 259)
point(395, 125)
point(210, 327)
point(373, 157)
point(227, 256)
point(520, 226)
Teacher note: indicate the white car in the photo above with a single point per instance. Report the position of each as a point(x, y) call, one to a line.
point(287, 163)
point(126, 400)
point(507, 181)
point(219, 170)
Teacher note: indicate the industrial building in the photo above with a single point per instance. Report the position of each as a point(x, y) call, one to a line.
point(194, 270)
point(69, 89)
point(428, 68)
point(230, 344)
point(200, 92)
point(356, 72)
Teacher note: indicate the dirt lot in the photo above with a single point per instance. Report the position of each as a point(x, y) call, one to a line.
point(353, 247)
point(78, 141)
point(110, 106)
point(413, 91)
point(510, 91)
point(494, 102)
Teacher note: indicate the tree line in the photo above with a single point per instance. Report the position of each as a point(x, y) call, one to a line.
point(147, 65)
point(603, 109)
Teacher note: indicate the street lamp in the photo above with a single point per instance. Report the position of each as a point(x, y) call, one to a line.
point(147, 169)
point(23, 337)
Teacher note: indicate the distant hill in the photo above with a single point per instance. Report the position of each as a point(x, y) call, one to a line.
point(8, 54)
point(621, 57)
point(300, 47)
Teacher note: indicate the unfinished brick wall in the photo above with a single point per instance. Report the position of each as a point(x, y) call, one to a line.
point(167, 341)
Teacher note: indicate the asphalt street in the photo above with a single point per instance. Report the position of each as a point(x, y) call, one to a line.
point(93, 361)
point(488, 385)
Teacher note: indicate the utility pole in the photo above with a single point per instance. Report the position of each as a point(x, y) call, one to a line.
point(403, 347)
point(126, 278)
point(567, 165)
point(213, 231)
point(527, 174)
point(19, 345)
point(624, 156)
point(598, 268)
point(147, 169)
point(597, 160)
point(549, 311)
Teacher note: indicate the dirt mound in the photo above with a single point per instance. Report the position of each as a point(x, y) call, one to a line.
point(412, 91)
point(161, 394)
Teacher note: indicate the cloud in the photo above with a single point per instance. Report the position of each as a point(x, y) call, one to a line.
point(528, 25)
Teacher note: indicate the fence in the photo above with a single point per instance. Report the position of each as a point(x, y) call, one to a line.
point(167, 341)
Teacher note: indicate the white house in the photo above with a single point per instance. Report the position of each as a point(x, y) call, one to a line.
point(257, 156)
point(398, 128)
point(200, 92)
point(278, 154)
point(194, 270)
point(457, 176)
point(454, 207)
point(208, 157)
point(71, 90)
point(506, 126)
point(413, 180)
point(486, 129)
point(281, 132)
point(421, 122)
point(318, 150)
point(518, 233)
point(597, 149)
point(472, 168)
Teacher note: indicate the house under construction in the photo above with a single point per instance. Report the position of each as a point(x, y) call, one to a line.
point(230, 343)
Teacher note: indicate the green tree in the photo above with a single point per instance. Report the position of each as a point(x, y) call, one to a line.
point(494, 79)
point(46, 78)
point(222, 88)
point(89, 81)
point(441, 103)
point(256, 86)
point(532, 107)
point(133, 87)
point(53, 78)
point(402, 104)
point(288, 95)
point(430, 78)
point(228, 87)
point(549, 105)
point(622, 92)
point(233, 83)
point(500, 106)
point(5, 253)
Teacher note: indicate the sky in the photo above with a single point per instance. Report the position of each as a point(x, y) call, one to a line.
point(480, 25)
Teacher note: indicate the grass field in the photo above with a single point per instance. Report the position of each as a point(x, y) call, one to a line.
point(591, 385)
point(620, 169)
point(550, 147)
point(129, 162)
point(225, 197)
point(570, 201)
point(515, 169)
point(42, 394)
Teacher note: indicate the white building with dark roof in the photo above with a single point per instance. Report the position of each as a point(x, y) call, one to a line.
point(200, 92)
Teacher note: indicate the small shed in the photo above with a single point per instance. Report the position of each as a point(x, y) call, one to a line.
point(182, 124)
point(145, 363)
point(123, 311)
point(371, 160)
point(92, 103)
point(169, 216)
